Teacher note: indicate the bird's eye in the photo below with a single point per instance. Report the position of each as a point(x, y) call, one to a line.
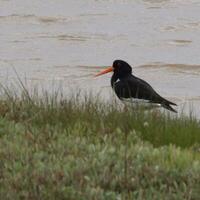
point(118, 65)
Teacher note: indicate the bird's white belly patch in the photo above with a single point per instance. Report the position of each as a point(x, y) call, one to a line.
point(134, 102)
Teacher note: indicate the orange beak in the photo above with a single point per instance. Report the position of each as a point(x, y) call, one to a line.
point(109, 69)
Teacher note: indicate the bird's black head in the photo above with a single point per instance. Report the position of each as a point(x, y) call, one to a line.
point(121, 68)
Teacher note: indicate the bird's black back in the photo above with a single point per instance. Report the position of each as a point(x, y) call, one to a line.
point(134, 87)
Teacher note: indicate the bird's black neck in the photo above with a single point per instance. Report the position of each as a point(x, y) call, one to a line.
point(115, 77)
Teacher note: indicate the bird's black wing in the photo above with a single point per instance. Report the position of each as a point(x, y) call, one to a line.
point(134, 87)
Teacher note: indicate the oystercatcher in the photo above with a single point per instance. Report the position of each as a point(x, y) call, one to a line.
point(129, 87)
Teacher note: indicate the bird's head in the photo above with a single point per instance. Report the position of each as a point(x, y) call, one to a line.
point(119, 67)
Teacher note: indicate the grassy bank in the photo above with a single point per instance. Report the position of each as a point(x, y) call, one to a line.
point(67, 148)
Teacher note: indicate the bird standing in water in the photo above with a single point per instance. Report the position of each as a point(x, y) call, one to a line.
point(127, 86)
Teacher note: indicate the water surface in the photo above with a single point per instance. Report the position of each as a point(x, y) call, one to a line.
point(66, 42)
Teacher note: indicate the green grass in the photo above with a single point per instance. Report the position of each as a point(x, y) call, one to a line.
point(83, 148)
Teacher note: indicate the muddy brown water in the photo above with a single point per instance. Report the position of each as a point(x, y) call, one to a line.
point(65, 42)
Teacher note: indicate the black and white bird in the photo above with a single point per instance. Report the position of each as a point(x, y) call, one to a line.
point(129, 87)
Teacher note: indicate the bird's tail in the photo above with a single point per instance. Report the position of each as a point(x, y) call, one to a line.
point(170, 103)
point(168, 106)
